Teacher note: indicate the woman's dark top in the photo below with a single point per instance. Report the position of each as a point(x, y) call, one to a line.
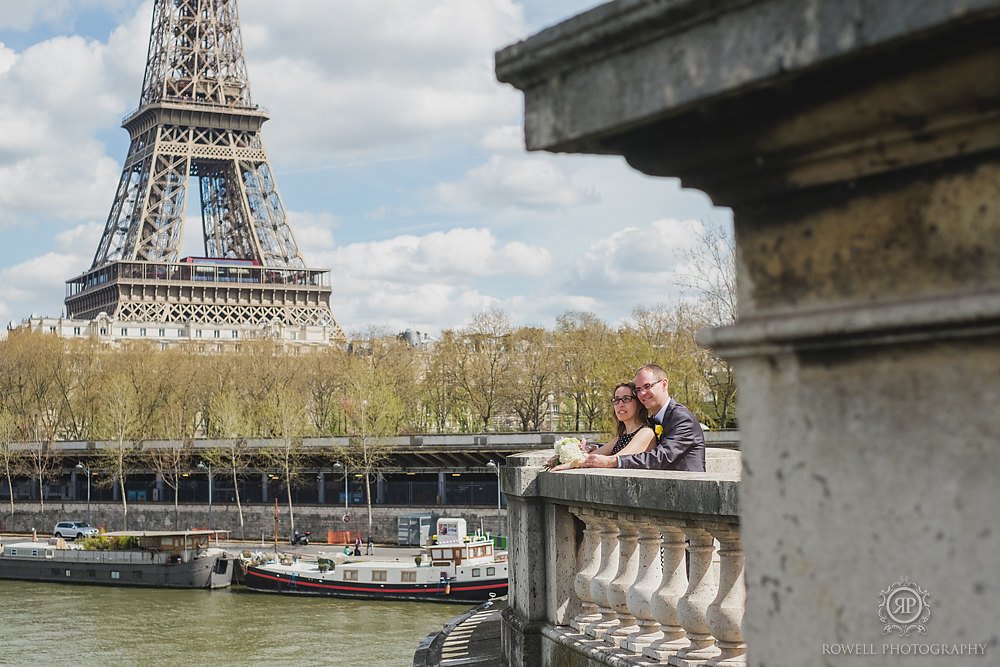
point(624, 440)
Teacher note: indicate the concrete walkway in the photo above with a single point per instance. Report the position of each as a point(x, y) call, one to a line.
point(470, 639)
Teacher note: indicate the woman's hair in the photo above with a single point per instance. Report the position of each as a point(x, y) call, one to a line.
point(641, 413)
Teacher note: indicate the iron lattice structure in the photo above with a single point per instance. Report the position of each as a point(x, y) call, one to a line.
point(196, 121)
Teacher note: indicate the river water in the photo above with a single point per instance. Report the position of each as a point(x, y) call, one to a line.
point(63, 624)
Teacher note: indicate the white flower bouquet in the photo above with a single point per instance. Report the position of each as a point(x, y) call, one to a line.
point(570, 451)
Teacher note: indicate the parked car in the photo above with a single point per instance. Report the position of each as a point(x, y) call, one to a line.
point(72, 530)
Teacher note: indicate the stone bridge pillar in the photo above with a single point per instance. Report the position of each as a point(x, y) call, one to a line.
point(858, 144)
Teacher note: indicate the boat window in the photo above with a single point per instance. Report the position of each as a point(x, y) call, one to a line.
point(115, 574)
point(379, 575)
point(476, 572)
point(68, 573)
point(13, 552)
point(350, 575)
point(491, 571)
point(34, 552)
point(408, 577)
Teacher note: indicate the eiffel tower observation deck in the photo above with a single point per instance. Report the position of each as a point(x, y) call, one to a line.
point(196, 121)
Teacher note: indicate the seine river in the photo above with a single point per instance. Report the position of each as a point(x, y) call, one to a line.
point(62, 624)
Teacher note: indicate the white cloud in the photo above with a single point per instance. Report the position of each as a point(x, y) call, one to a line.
point(23, 16)
point(313, 233)
point(637, 264)
point(38, 278)
point(522, 181)
point(79, 239)
point(57, 95)
point(20, 15)
point(423, 306)
point(417, 78)
point(7, 58)
point(506, 138)
point(457, 255)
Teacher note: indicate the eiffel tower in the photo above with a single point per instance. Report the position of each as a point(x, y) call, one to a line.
point(196, 120)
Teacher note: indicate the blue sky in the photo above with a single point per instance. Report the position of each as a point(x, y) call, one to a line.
point(398, 155)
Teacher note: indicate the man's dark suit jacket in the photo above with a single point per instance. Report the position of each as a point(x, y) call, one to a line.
point(681, 445)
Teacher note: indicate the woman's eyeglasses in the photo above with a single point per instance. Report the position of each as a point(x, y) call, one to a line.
point(622, 399)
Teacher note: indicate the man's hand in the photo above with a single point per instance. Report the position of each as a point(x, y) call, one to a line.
point(600, 461)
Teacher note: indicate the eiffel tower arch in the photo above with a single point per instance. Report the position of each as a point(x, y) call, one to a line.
point(196, 122)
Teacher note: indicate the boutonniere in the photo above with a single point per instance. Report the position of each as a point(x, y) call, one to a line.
point(658, 430)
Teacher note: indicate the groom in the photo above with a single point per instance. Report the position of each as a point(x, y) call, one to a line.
point(680, 442)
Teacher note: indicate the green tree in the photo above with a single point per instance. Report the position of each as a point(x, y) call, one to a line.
point(127, 411)
point(374, 408)
point(589, 367)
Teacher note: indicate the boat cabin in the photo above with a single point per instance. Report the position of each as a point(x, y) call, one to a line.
point(455, 545)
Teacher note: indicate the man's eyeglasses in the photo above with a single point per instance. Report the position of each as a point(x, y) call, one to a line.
point(648, 386)
point(621, 399)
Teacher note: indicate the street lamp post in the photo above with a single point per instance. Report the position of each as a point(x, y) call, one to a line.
point(85, 469)
point(208, 468)
point(496, 468)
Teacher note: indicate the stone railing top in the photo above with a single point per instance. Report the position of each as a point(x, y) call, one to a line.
point(761, 38)
point(746, 99)
point(708, 495)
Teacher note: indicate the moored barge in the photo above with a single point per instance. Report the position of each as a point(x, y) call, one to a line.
point(458, 568)
point(155, 559)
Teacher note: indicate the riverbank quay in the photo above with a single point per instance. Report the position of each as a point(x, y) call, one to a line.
point(323, 520)
point(470, 639)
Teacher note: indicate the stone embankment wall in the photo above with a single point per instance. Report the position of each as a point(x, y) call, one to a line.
point(258, 520)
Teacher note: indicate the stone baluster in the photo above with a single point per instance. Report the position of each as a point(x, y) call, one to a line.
point(588, 564)
point(647, 582)
point(725, 614)
point(692, 609)
point(601, 581)
point(674, 584)
point(628, 570)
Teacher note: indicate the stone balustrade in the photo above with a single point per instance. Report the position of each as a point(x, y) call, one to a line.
point(614, 567)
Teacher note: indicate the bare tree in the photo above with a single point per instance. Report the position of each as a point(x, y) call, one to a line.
point(170, 463)
point(483, 362)
point(11, 457)
point(227, 421)
point(534, 376)
point(713, 279)
point(284, 411)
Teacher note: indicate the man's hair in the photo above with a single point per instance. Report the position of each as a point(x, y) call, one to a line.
point(655, 369)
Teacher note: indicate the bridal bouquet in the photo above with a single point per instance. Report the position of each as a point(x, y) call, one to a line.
point(570, 450)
